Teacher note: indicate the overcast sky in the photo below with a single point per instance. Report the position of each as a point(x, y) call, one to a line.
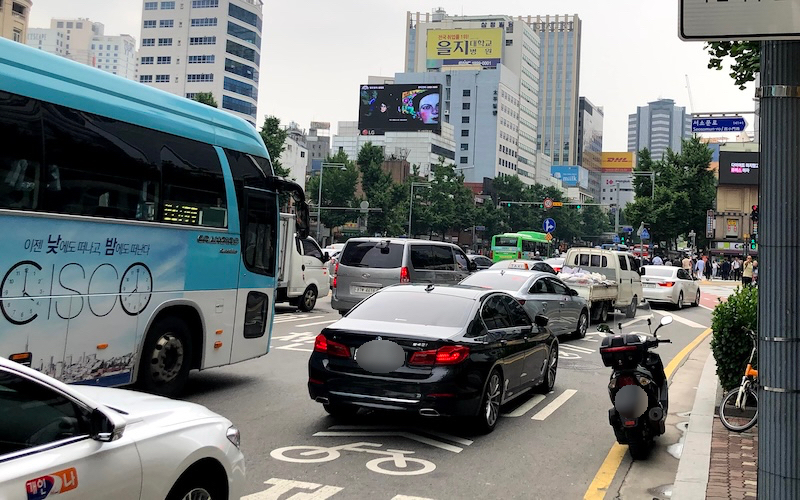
point(315, 53)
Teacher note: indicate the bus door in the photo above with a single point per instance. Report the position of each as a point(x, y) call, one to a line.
point(255, 297)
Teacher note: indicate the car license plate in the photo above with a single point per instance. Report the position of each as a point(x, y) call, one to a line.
point(365, 289)
point(649, 285)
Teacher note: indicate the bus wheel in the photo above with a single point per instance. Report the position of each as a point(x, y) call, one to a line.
point(166, 357)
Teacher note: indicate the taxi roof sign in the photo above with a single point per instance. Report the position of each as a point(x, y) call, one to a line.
point(519, 265)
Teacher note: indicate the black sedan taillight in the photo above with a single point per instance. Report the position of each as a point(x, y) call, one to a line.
point(447, 355)
point(330, 347)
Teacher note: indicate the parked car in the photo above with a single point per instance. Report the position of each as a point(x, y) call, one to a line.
point(556, 263)
point(368, 264)
point(672, 285)
point(481, 261)
point(457, 351)
point(539, 293)
point(525, 265)
point(99, 442)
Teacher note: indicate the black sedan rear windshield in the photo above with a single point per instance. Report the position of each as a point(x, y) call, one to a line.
point(413, 308)
point(371, 254)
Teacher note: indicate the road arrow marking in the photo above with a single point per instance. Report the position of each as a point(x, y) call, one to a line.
point(555, 405)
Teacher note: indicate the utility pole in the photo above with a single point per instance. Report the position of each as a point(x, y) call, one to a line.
point(779, 296)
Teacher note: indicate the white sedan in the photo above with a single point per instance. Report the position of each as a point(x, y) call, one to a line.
point(96, 442)
point(669, 284)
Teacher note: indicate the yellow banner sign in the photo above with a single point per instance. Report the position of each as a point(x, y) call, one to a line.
point(617, 162)
point(483, 47)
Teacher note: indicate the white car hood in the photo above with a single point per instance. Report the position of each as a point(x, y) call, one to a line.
point(147, 408)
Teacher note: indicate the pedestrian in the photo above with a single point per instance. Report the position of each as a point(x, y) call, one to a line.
point(747, 271)
point(715, 269)
point(658, 261)
point(726, 268)
point(737, 269)
point(687, 263)
point(699, 269)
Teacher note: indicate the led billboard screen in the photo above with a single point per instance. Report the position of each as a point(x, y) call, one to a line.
point(398, 108)
point(739, 167)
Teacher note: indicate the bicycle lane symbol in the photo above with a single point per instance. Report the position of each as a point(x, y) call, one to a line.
point(403, 465)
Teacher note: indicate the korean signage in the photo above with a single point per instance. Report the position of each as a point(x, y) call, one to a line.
point(714, 20)
point(710, 223)
point(571, 175)
point(617, 162)
point(466, 47)
point(732, 228)
point(719, 124)
point(739, 167)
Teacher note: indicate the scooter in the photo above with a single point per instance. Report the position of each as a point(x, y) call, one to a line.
point(638, 387)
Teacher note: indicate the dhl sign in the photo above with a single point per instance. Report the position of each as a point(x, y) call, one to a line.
point(617, 162)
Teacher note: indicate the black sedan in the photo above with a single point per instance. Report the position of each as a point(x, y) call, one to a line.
point(433, 350)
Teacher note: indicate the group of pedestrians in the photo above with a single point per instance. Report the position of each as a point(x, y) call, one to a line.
point(725, 268)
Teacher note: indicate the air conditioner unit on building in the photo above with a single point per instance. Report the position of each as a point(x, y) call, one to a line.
point(494, 106)
point(494, 112)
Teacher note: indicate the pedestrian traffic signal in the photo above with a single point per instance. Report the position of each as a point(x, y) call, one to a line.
point(753, 244)
point(754, 213)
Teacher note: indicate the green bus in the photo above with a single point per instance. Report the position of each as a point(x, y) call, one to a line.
point(519, 245)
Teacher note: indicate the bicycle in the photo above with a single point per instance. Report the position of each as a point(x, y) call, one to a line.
point(401, 461)
point(741, 404)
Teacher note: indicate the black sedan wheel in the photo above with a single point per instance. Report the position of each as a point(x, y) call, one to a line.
point(489, 414)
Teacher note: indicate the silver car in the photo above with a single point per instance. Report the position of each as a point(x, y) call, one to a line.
point(539, 293)
point(368, 264)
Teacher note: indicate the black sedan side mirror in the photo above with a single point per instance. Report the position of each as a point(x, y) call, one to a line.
point(472, 266)
point(541, 321)
point(326, 257)
point(641, 271)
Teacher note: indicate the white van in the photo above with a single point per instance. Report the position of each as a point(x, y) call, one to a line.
point(621, 267)
point(302, 273)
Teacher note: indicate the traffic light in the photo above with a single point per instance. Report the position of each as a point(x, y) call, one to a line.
point(508, 205)
point(622, 239)
point(753, 244)
point(578, 207)
point(754, 213)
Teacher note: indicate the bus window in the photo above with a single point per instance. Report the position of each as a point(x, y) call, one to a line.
point(260, 232)
point(506, 241)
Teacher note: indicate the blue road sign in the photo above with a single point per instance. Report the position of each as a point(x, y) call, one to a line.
point(731, 124)
point(627, 229)
point(549, 225)
point(645, 234)
point(616, 238)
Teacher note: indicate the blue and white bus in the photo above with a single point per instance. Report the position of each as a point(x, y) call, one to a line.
point(138, 229)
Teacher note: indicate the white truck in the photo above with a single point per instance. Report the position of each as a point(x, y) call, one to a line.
point(302, 273)
point(622, 289)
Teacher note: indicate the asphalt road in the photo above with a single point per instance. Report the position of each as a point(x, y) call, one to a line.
point(544, 447)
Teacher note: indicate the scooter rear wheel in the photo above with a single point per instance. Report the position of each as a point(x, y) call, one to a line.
point(640, 450)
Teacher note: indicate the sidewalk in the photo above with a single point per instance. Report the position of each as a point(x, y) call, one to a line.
point(715, 463)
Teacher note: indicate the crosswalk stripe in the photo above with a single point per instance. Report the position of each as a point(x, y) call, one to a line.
point(683, 320)
point(576, 348)
point(554, 405)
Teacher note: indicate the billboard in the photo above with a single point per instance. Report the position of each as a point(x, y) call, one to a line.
point(739, 167)
point(466, 47)
point(571, 175)
point(398, 108)
point(617, 162)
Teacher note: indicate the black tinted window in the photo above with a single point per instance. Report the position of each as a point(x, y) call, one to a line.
point(432, 257)
point(311, 249)
point(495, 314)
point(21, 154)
point(623, 262)
point(506, 242)
point(34, 415)
point(518, 315)
point(634, 264)
point(415, 308)
point(461, 261)
point(557, 286)
point(542, 286)
point(372, 254)
point(260, 232)
point(545, 268)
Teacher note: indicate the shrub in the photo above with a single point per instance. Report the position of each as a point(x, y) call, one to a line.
point(729, 342)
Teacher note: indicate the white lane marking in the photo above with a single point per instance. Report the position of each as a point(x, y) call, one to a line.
point(406, 497)
point(555, 405)
point(293, 347)
point(683, 320)
point(449, 437)
point(290, 319)
point(526, 407)
point(407, 435)
point(319, 323)
point(281, 486)
point(297, 336)
point(576, 348)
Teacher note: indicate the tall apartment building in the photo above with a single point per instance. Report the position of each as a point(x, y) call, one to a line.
point(658, 126)
point(192, 46)
point(559, 71)
point(14, 16)
point(488, 67)
point(590, 143)
point(85, 41)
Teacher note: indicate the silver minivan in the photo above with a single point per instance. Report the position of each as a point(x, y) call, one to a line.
point(368, 264)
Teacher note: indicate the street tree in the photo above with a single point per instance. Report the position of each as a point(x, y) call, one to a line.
point(206, 98)
point(444, 206)
point(338, 190)
point(369, 161)
point(746, 57)
point(274, 139)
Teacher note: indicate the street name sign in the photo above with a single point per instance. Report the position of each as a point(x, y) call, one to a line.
point(715, 20)
point(719, 124)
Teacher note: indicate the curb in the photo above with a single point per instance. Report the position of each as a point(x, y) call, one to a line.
point(691, 481)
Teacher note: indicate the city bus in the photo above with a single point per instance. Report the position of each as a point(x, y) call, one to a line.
point(519, 245)
point(141, 228)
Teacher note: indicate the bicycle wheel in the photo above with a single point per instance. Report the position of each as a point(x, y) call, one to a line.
point(376, 465)
point(739, 419)
point(328, 454)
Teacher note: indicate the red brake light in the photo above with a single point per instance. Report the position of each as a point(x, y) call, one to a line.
point(619, 349)
point(333, 285)
point(330, 347)
point(447, 355)
point(625, 380)
point(336, 268)
point(519, 255)
point(521, 302)
point(667, 283)
point(405, 277)
point(491, 254)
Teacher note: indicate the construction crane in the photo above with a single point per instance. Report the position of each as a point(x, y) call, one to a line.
point(689, 90)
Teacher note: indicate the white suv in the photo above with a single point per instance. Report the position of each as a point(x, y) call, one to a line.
point(110, 443)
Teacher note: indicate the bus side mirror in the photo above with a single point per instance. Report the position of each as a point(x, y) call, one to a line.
point(303, 218)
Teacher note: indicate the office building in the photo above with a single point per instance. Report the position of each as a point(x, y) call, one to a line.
point(659, 126)
point(559, 80)
point(590, 143)
point(295, 154)
point(85, 41)
point(14, 16)
point(318, 142)
point(193, 46)
point(488, 67)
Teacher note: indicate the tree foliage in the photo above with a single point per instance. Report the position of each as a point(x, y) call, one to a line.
point(730, 343)
point(446, 205)
point(684, 191)
point(370, 159)
point(274, 139)
point(746, 57)
point(206, 98)
point(338, 190)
